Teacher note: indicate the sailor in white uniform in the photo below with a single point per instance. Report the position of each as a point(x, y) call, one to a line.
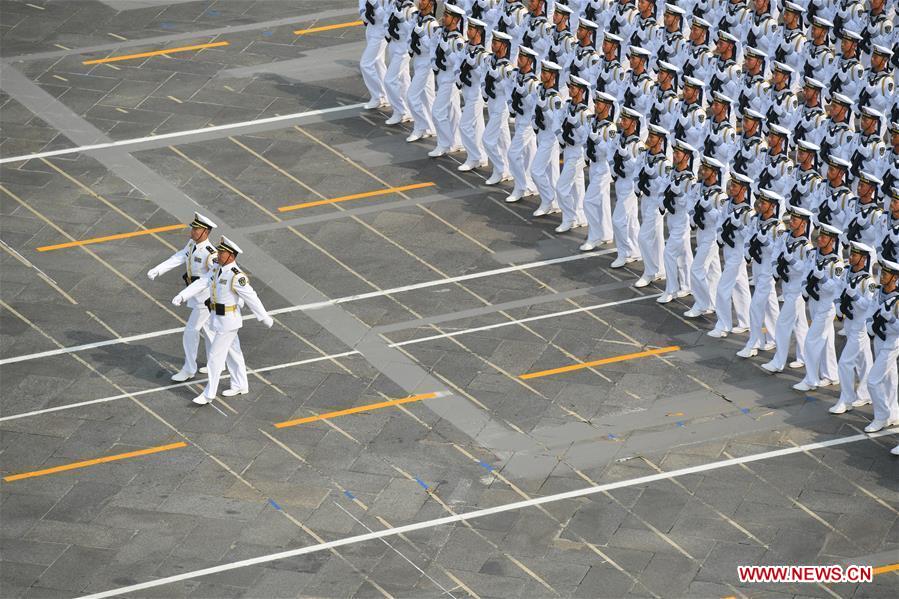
point(733, 287)
point(420, 95)
point(675, 205)
point(855, 303)
point(791, 267)
point(226, 285)
point(625, 222)
point(653, 173)
point(708, 206)
point(197, 258)
point(449, 50)
point(883, 328)
point(497, 79)
point(602, 141)
point(522, 105)
point(572, 135)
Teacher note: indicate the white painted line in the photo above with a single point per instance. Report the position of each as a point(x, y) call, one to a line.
point(324, 358)
point(399, 530)
point(189, 132)
point(313, 306)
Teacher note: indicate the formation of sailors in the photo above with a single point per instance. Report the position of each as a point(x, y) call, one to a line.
point(737, 136)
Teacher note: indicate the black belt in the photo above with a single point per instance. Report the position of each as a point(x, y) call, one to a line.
point(222, 309)
point(188, 280)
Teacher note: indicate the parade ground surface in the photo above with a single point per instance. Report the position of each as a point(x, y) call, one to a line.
point(453, 400)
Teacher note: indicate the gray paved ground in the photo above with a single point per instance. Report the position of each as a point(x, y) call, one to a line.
point(241, 488)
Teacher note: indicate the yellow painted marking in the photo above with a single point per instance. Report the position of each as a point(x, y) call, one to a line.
point(156, 53)
point(355, 196)
point(86, 463)
point(367, 408)
point(60, 246)
point(328, 27)
point(642, 354)
point(885, 569)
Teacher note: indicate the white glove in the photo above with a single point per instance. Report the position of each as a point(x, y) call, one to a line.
point(177, 300)
point(268, 321)
point(152, 274)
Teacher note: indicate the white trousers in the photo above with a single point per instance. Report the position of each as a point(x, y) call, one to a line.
point(445, 114)
point(522, 154)
point(226, 352)
point(883, 381)
point(598, 204)
point(651, 237)
point(733, 292)
point(471, 127)
point(678, 255)
point(372, 63)
point(706, 270)
point(497, 139)
point(196, 327)
point(420, 97)
point(570, 188)
point(820, 354)
point(855, 363)
point(396, 81)
point(791, 321)
point(625, 223)
point(545, 169)
point(763, 311)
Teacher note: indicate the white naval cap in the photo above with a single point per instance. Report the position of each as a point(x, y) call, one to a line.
point(808, 146)
point(667, 66)
point(563, 8)
point(894, 126)
point(752, 51)
point(548, 65)
point(727, 37)
point(657, 130)
point(848, 34)
point(873, 113)
point(453, 9)
point(783, 67)
point(777, 129)
point(870, 178)
point(604, 97)
point(680, 144)
point(829, 230)
point(202, 222)
point(611, 37)
point(889, 266)
point(631, 113)
point(638, 51)
point(724, 99)
point(822, 22)
point(882, 50)
point(228, 246)
point(527, 52)
point(861, 248)
point(504, 37)
point(800, 212)
point(771, 196)
point(741, 179)
point(694, 82)
point(579, 82)
point(674, 9)
point(712, 162)
point(477, 23)
point(812, 82)
point(894, 192)
point(839, 163)
point(753, 114)
point(698, 21)
point(793, 7)
point(586, 24)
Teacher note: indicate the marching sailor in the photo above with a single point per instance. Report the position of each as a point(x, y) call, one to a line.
point(836, 198)
point(198, 258)
point(878, 89)
point(471, 76)
point(625, 223)
point(572, 136)
point(812, 121)
point(808, 184)
point(708, 205)
point(888, 241)
point(601, 143)
point(678, 254)
point(733, 287)
point(226, 285)
point(790, 267)
point(823, 285)
point(720, 135)
point(449, 49)
point(853, 306)
point(401, 17)
point(372, 63)
point(547, 112)
point(865, 222)
point(849, 74)
point(883, 328)
point(522, 103)
point(637, 87)
point(763, 308)
point(791, 44)
point(652, 178)
point(420, 97)
point(499, 73)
